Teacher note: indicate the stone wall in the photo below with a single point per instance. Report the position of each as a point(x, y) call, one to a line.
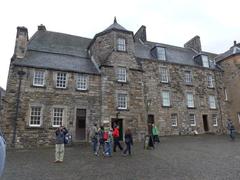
point(48, 97)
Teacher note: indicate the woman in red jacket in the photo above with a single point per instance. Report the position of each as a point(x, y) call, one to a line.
point(116, 139)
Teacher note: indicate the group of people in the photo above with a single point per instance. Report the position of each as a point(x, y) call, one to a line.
point(104, 138)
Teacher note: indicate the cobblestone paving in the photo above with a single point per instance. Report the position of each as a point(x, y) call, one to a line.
point(175, 158)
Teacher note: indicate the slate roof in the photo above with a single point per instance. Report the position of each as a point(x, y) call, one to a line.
point(174, 54)
point(52, 50)
point(232, 51)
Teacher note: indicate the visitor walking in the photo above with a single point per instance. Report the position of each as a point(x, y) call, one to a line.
point(128, 141)
point(155, 133)
point(108, 138)
point(59, 147)
point(100, 140)
point(231, 129)
point(116, 139)
point(94, 137)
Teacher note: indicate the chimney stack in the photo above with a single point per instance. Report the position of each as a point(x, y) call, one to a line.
point(21, 42)
point(141, 34)
point(234, 43)
point(194, 43)
point(41, 28)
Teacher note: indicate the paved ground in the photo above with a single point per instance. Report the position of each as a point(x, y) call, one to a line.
point(175, 158)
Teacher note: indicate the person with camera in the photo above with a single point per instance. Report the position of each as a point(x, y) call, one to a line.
point(59, 147)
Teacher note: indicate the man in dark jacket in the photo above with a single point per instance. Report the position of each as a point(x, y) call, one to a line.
point(59, 147)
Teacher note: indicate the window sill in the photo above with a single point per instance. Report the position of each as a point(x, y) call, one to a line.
point(122, 82)
point(162, 82)
point(210, 87)
point(82, 90)
point(166, 106)
point(188, 84)
point(191, 107)
point(213, 108)
point(34, 127)
point(122, 109)
point(121, 51)
point(34, 86)
point(58, 88)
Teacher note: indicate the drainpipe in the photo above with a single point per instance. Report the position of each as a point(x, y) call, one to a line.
point(20, 76)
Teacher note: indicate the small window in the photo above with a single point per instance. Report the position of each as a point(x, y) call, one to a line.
point(205, 61)
point(161, 55)
point(192, 119)
point(165, 98)
point(215, 120)
point(121, 74)
point(57, 117)
point(61, 80)
point(174, 120)
point(35, 116)
point(121, 44)
point(212, 102)
point(210, 81)
point(226, 95)
point(164, 74)
point(39, 78)
point(188, 77)
point(122, 101)
point(190, 100)
point(82, 82)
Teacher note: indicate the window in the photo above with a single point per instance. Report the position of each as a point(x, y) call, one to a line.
point(38, 79)
point(165, 98)
point(163, 74)
point(190, 101)
point(121, 74)
point(57, 117)
point(212, 103)
point(210, 80)
point(82, 82)
point(121, 44)
point(205, 61)
point(35, 116)
point(122, 101)
point(61, 80)
point(214, 120)
point(188, 77)
point(161, 55)
point(226, 95)
point(174, 119)
point(192, 119)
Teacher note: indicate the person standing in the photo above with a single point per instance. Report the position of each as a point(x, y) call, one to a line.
point(155, 133)
point(94, 138)
point(108, 143)
point(116, 139)
point(2, 153)
point(59, 147)
point(231, 129)
point(100, 140)
point(128, 142)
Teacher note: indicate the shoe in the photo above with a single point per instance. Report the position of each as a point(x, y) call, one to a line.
point(56, 161)
point(60, 161)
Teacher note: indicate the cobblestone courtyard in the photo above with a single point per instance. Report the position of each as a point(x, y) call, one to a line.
point(175, 158)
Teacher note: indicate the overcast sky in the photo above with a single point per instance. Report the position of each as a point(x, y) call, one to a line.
point(171, 21)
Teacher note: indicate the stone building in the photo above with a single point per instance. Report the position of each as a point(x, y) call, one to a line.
point(117, 77)
point(230, 63)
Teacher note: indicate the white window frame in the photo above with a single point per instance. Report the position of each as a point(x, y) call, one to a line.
point(205, 61)
point(161, 53)
point(39, 76)
point(61, 80)
point(188, 77)
point(215, 120)
point(212, 102)
point(122, 101)
point(174, 119)
point(190, 100)
point(192, 118)
point(210, 81)
point(165, 98)
point(34, 115)
point(121, 44)
point(56, 118)
point(82, 82)
point(121, 74)
point(164, 78)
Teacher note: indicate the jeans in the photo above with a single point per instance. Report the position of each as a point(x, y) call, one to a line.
point(232, 134)
point(59, 152)
point(116, 143)
point(95, 145)
point(128, 148)
point(108, 148)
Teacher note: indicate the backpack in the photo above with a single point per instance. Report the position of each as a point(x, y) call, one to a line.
point(105, 136)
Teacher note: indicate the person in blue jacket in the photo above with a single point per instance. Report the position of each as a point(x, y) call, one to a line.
point(2, 153)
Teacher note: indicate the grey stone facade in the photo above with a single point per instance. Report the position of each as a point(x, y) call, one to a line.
point(136, 101)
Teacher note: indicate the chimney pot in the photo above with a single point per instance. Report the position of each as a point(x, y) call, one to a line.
point(41, 27)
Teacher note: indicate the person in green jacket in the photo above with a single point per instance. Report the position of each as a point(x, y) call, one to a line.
point(155, 133)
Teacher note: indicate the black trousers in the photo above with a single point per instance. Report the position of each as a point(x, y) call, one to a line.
point(128, 148)
point(116, 143)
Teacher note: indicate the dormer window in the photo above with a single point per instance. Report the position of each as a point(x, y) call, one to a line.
point(161, 54)
point(121, 44)
point(205, 61)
